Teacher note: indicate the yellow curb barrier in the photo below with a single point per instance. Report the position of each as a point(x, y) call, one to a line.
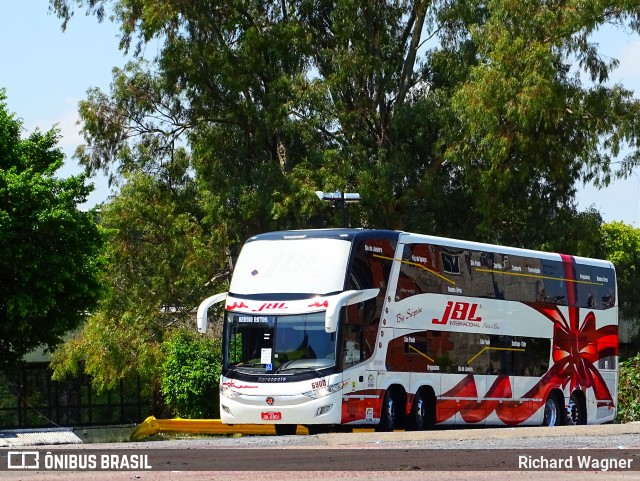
point(151, 426)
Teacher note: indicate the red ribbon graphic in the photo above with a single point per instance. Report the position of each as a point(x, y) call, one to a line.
point(577, 347)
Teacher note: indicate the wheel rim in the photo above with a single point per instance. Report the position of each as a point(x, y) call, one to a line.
point(420, 413)
point(391, 414)
point(387, 415)
point(573, 412)
point(550, 412)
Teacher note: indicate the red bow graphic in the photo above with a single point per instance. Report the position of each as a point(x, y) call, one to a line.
point(576, 348)
point(575, 352)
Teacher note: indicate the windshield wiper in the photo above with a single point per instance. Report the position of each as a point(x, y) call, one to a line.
point(289, 369)
point(245, 366)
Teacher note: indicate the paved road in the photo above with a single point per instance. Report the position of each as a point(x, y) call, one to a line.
point(479, 453)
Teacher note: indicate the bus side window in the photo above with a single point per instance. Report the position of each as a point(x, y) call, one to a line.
point(486, 277)
point(553, 287)
point(522, 279)
point(595, 290)
point(420, 271)
point(370, 268)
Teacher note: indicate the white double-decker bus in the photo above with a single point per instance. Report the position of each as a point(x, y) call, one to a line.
point(397, 330)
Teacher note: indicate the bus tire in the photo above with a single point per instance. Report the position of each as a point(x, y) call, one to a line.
point(422, 412)
point(286, 429)
point(576, 410)
point(318, 429)
point(552, 411)
point(389, 415)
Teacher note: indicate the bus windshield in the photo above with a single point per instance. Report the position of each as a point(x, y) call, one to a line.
point(277, 344)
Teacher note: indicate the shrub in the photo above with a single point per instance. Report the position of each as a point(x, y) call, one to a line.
point(629, 390)
point(191, 374)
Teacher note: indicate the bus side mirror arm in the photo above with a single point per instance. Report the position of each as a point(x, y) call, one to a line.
point(204, 307)
point(345, 298)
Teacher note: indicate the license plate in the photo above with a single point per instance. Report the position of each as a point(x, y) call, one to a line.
point(271, 416)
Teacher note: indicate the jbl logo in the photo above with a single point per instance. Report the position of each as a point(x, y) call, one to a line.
point(459, 311)
point(270, 305)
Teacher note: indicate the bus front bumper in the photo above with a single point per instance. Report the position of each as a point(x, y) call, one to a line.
point(280, 409)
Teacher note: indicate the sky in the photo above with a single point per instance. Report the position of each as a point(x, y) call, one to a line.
point(46, 72)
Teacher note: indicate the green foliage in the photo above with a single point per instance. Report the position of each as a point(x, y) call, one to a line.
point(621, 245)
point(629, 390)
point(49, 249)
point(110, 349)
point(191, 374)
point(274, 100)
point(530, 129)
point(160, 265)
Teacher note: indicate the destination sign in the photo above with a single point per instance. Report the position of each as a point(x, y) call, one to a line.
point(244, 319)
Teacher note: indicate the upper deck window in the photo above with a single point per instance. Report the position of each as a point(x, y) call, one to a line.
point(291, 266)
point(436, 269)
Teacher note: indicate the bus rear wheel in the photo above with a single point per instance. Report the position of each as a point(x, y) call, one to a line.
point(576, 411)
point(390, 414)
point(422, 412)
point(552, 410)
point(286, 429)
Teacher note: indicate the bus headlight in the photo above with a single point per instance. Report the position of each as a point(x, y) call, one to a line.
point(323, 391)
point(324, 410)
point(228, 393)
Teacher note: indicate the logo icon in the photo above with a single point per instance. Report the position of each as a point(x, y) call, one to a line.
point(23, 460)
point(459, 311)
point(270, 401)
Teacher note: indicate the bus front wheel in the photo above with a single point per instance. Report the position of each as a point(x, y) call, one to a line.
point(286, 429)
point(389, 416)
point(318, 429)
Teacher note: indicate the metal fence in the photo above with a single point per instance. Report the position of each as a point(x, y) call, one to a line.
point(30, 398)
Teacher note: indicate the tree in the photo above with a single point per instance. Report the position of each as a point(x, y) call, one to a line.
point(159, 265)
point(621, 245)
point(49, 249)
point(462, 118)
point(529, 128)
